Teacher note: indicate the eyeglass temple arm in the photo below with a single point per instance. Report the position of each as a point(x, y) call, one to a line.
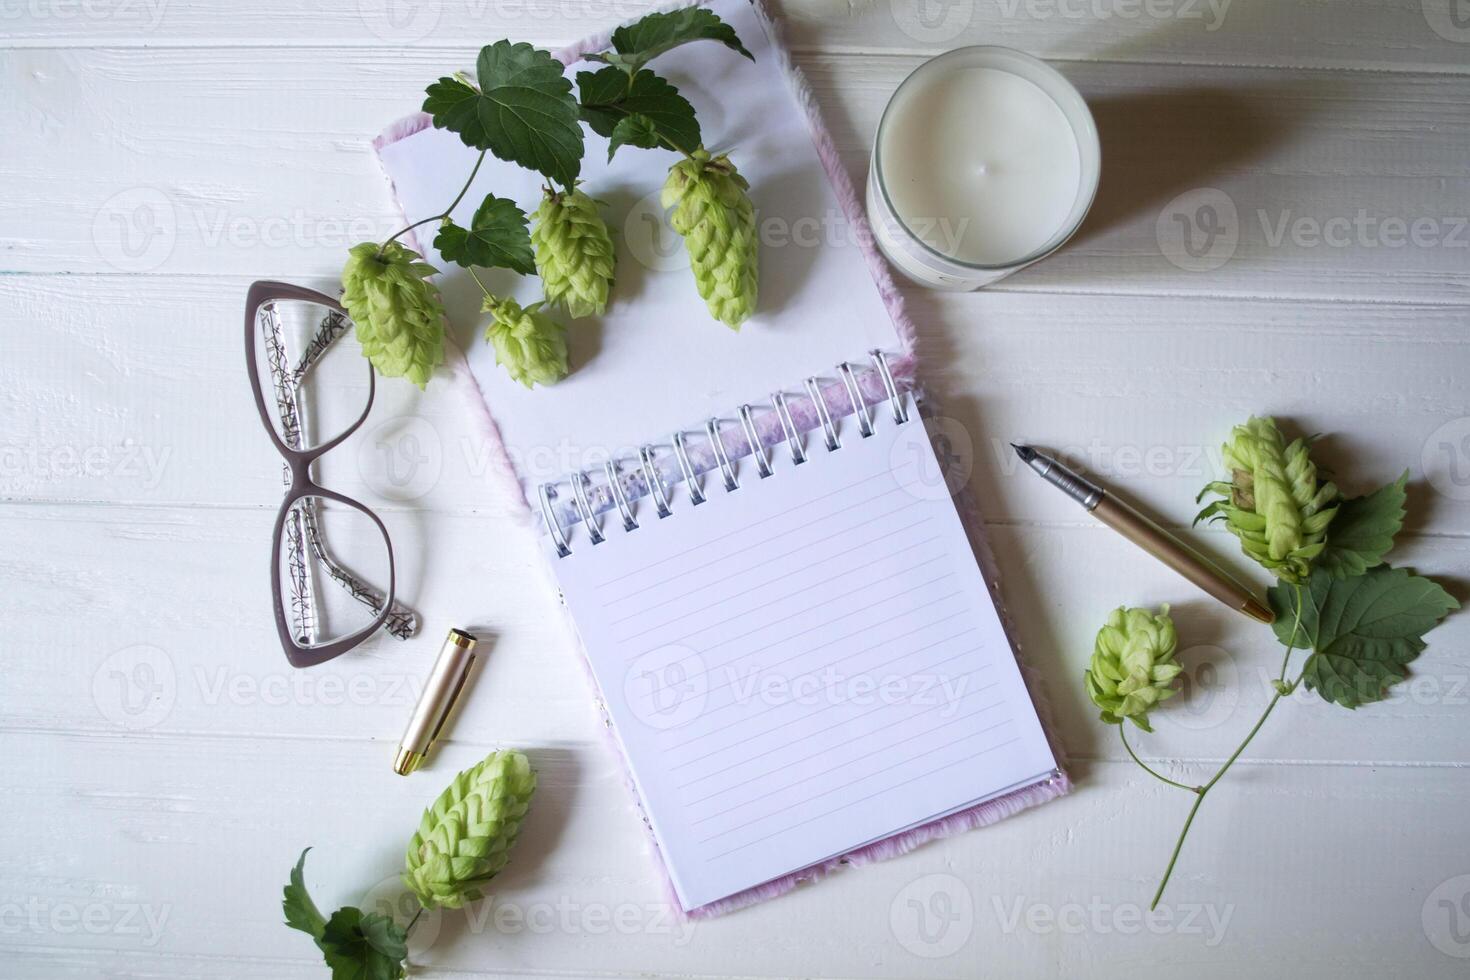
point(402, 622)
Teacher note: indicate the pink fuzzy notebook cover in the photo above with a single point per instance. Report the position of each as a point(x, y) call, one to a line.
point(515, 482)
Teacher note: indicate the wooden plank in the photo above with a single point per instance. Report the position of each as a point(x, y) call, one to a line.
point(167, 632)
point(1418, 35)
point(1159, 383)
point(1060, 890)
point(1286, 183)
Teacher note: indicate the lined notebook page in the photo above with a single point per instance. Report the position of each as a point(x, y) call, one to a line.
point(803, 665)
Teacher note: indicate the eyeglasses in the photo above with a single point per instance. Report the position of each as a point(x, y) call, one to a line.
point(315, 404)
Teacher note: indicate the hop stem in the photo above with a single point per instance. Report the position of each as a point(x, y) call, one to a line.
point(1146, 768)
point(1205, 789)
point(447, 211)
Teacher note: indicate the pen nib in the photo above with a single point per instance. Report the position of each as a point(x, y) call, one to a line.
point(1026, 453)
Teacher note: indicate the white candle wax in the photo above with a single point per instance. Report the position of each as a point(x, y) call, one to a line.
point(985, 160)
point(981, 165)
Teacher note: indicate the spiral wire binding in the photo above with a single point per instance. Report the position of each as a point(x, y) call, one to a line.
point(762, 457)
point(758, 451)
point(655, 485)
point(712, 429)
point(696, 492)
point(859, 407)
point(557, 537)
point(579, 492)
point(880, 361)
point(793, 438)
point(820, 404)
point(630, 523)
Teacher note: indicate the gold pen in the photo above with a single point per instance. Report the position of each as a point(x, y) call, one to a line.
point(1147, 535)
point(446, 680)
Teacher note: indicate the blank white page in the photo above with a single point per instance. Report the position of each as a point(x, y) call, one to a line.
point(805, 664)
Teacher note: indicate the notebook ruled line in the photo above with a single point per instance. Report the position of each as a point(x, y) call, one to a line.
point(823, 625)
point(839, 724)
point(766, 561)
point(812, 777)
point(723, 600)
point(846, 658)
point(804, 612)
point(791, 763)
point(708, 714)
point(807, 526)
point(833, 642)
point(886, 789)
point(807, 503)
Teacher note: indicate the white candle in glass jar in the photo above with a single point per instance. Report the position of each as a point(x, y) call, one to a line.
point(985, 161)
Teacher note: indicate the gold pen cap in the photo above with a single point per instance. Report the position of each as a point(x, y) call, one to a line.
point(441, 691)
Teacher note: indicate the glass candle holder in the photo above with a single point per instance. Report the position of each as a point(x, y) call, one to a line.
point(986, 160)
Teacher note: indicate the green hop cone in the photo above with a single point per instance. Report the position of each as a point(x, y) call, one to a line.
point(531, 346)
point(717, 220)
point(1133, 666)
point(1273, 501)
point(574, 252)
point(464, 838)
point(398, 313)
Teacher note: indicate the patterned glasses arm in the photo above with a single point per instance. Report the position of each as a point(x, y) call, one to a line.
point(303, 529)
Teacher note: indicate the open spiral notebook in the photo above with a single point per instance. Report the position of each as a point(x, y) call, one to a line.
point(788, 628)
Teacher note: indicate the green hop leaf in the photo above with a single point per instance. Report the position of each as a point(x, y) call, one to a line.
point(497, 238)
point(637, 43)
point(1364, 529)
point(635, 130)
point(1362, 631)
point(522, 110)
point(396, 311)
point(301, 911)
point(1133, 665)
point(531, 346)
point(364, 947)
point(355, 946)
point(609, 96)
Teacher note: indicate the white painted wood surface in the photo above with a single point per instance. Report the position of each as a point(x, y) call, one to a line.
point(151, 837)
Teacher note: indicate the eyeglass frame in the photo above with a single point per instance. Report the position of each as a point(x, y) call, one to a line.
point(302, 486)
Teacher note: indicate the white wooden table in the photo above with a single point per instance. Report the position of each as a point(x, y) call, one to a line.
point(163, 766)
